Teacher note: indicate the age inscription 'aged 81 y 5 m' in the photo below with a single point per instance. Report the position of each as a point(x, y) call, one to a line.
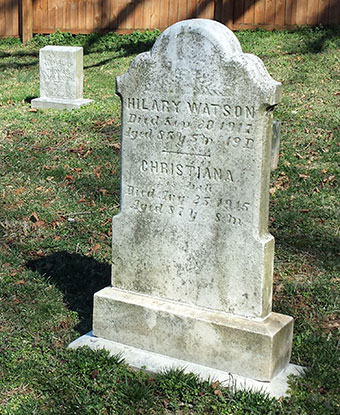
point(192, 256)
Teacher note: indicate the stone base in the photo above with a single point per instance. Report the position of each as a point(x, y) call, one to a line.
point(154, 362)
point(257, 349)
point(59, 104)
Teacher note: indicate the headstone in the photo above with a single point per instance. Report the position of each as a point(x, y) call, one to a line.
point(192, 257)
point(61, 78)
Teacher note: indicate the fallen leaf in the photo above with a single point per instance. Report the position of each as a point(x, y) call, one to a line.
point(103, 191)
point(116, 146)
point(215, 385)
point(39, 223)
point(279, 287)
point(102, 237)
point(94, 248)
point(19, 190)
point(332, 324)
point(20, 282)
point(94, 374)
point(98, 172)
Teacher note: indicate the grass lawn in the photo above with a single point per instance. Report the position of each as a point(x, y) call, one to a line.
point(59, 187)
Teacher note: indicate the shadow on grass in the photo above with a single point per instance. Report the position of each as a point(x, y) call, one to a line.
point(78, 278)
point(19, 53)
point(300, 41)
point(123, 52)
point(320, 250)
point(126, 44)
point(319, 43)
point(118, 45)
point(315, 40)
point(100, 63)
point(29, 98)
point(300, 231)
point(17, 65)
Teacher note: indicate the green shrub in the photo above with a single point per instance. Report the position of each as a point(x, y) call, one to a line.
point(125, 44)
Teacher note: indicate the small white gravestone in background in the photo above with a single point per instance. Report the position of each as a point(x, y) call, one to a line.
point(61, 78)
point(192, 257)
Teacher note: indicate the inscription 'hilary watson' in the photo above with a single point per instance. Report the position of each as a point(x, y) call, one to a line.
point(193, 108)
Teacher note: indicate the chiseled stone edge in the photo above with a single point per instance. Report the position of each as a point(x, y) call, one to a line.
point(154, 362)
point(59, 104)
point(63, 49)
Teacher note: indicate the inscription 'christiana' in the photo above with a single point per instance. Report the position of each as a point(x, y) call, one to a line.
point(186, 170)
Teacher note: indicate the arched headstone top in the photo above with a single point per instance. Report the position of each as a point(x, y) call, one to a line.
point(222, 38)
point(203, 57)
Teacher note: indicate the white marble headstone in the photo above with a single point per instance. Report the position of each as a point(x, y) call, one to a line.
point(61, 78)
point(192, 256)
point(195, 173)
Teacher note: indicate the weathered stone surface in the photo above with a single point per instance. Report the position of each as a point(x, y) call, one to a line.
point(192, 256)
point(195, 334)
point(61, 78)
point(196, 156)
